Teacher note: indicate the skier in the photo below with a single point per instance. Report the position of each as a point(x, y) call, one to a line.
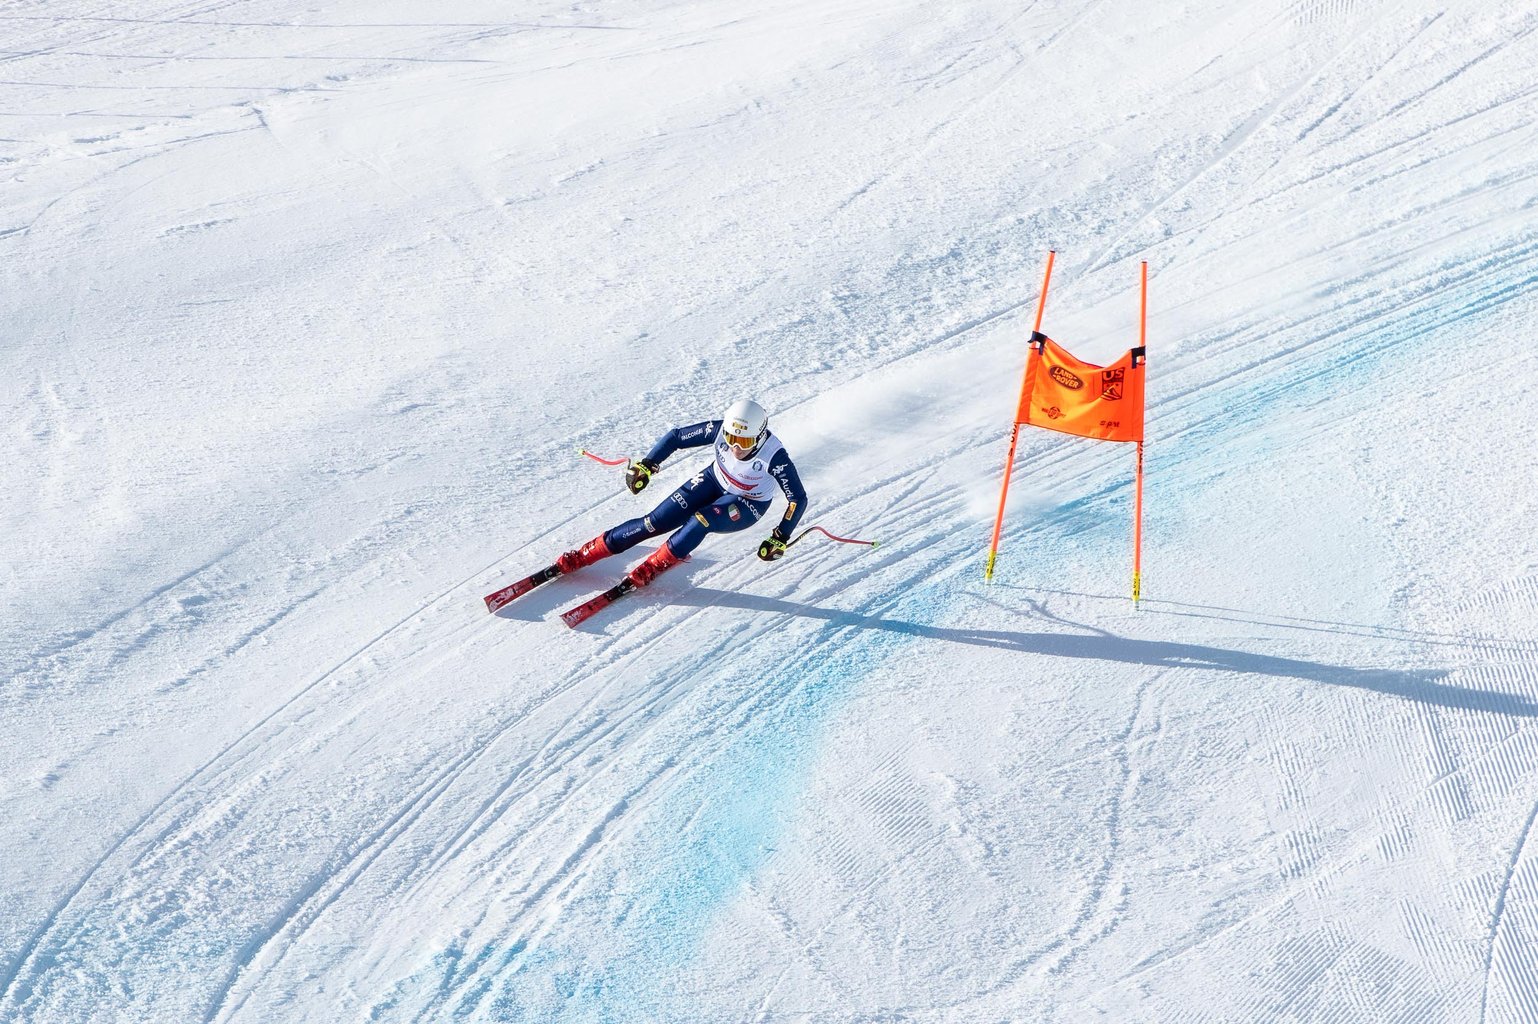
point(731, 494)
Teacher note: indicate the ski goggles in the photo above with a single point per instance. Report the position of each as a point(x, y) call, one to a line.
point(741, 443)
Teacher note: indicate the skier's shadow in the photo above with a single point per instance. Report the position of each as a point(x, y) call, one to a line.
point(1426, 686)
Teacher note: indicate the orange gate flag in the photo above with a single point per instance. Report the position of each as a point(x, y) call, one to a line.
point(1062, 392)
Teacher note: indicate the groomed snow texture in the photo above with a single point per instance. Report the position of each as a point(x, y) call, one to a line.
point(305, 309)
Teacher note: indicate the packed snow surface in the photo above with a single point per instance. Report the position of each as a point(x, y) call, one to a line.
point(307, 308)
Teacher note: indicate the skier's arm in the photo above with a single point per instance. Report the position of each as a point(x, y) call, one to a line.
point(784, 471)
point(696, 435)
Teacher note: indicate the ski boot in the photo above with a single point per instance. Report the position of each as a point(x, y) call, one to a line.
point(656, 564)
point(587, 554)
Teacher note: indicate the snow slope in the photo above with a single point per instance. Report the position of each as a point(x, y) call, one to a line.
point(307, 307)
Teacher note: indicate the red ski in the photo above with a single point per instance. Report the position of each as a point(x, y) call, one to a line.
point(587, 609)
point(516, 590)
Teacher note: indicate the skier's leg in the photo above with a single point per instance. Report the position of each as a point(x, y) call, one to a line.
point(724, 515)
point(700, 489)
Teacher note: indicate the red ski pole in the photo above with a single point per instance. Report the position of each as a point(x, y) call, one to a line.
point(600, 458)
point(841, 540)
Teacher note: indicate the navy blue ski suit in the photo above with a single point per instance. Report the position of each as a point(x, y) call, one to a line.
point(703, 504)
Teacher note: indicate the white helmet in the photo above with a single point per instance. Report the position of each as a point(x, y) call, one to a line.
point(744, 425)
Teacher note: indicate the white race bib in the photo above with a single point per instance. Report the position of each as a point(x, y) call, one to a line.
point(748, 477)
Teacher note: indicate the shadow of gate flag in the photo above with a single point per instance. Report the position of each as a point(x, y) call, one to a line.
point(1063, 392)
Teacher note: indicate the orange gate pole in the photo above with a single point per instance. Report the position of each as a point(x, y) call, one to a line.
point(1137, 513)
point(1014, 432)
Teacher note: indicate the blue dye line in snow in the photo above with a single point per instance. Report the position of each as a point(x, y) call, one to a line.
point(710, 836)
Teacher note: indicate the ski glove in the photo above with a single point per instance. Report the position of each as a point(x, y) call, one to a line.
point(772, 548)
point(639, 474)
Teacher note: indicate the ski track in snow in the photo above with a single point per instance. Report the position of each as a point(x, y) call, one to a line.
point(1509, 966)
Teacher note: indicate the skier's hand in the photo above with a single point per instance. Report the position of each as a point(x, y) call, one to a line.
point(772, 548)
point(639, 474)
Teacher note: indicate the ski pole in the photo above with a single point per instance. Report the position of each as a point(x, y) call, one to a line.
point(600, 458)
point(841, 540)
